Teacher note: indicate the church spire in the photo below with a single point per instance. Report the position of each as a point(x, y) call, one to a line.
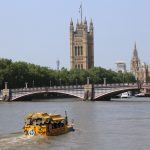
point(135, 62)
point(135, 45)
point(135, 53)
point(71, 26)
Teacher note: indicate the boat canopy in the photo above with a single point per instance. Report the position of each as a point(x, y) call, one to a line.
point(45, 116)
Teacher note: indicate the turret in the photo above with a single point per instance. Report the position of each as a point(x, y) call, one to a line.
point(91, 28)
point(85, 25)
point(135, 62)
point(77, 26)
point(71, 26)
point(135, 53)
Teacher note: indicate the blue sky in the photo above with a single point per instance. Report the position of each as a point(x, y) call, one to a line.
point(37, 31)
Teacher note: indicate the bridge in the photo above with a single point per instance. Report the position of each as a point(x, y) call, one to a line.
point(84, 92)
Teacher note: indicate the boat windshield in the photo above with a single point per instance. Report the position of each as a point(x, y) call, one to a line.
point(37, 121)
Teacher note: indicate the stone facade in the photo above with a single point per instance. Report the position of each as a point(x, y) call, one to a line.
point(82, 45)
point(121, 66)
point(141, 71)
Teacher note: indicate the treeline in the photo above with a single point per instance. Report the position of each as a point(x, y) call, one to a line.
point(19, 73)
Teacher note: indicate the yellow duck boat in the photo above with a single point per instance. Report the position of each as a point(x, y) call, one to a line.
point(46, 124)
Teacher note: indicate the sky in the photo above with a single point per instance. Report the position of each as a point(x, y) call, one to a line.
point(37, 31)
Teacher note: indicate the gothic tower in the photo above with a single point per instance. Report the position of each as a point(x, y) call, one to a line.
point(82, 45)
point(135, 62)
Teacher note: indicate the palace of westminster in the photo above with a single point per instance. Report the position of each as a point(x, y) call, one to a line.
point(82, 51)
point(82, 45)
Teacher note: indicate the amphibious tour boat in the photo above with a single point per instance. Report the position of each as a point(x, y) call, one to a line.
point(46, 124)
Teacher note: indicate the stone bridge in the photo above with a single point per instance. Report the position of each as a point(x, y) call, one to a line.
point(84, 92)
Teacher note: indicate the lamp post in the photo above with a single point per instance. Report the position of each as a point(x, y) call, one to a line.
point(76, 82)
point(123, 79)
point(104, 81)
point(33, 83)
point(88, 80)
point(60, 81)
point(26, 85)
point(70, 82)
point(50, 83)
point(6, 85)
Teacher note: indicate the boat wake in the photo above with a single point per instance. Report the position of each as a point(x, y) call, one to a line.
point(14, 141)
point(20, 141)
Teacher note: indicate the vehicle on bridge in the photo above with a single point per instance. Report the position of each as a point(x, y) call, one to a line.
point(46, 124)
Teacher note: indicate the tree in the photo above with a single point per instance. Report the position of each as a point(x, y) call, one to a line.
point(17, 73)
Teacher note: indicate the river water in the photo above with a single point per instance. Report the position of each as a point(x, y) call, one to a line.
point(105, 125)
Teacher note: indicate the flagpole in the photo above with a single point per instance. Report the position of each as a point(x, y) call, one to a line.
point(81, 11)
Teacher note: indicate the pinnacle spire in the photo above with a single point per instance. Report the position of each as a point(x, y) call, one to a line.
point(71, 22)
point(135, 53)
point(91, 21)
point(77, 22)
point(91, 26)
point(85, 21)
point(135, 45)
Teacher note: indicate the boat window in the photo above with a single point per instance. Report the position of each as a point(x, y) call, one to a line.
point(28, 121)
point(62, 124)
point(38, 121)
point(34, 122)
point(54, 126)
point(59, 124)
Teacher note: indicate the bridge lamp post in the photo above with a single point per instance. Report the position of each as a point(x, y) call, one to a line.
point(6, 85)
point(33, 83)
point(76, 82)
point(88, 80)
point(123, 79)
point(26, 85)
point(70, 81)
point(104, 79)
point(60, 81)
point(50, 83)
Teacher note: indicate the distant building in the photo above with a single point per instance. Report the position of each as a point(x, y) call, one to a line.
point(121, 66)
point(82, 45)
point(141, 71)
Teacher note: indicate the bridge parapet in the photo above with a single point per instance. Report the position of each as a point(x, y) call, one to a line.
point(115, 85)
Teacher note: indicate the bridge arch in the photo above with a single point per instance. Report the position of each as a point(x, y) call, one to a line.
point(113, 93)
point(44, 92)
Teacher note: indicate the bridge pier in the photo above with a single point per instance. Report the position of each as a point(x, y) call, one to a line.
point(88, 92)
point(146, 91)
point(6, 93)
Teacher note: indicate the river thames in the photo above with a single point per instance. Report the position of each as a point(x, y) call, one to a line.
point(104, 125)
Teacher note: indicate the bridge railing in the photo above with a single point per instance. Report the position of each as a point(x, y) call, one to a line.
point(115, 85)
point(47, 88)
point(75, 87)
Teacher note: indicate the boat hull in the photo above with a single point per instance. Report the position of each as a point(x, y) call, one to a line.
point(32, 130)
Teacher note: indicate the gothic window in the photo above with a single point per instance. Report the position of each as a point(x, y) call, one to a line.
point(81, 51)
point(78, 66)
point(76, 51)
point(75, 66)
point(81, 66)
